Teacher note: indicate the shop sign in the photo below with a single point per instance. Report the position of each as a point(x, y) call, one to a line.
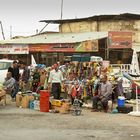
point(88, 46)
point(52, 48)
point(119, 39)
point(14, 49)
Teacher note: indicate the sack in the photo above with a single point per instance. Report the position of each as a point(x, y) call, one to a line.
point(25, 101)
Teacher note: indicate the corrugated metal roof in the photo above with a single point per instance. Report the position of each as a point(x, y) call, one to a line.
point(124, 16)
point(57, 38)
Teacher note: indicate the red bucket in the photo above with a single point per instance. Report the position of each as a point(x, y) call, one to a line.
point(44, 100)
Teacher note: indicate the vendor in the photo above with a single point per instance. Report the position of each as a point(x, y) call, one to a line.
point(9, 83)
point(104, 94)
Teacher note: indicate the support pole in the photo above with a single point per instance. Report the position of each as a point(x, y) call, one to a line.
point(61, 9)
point(2, 30)
point(137, 102)
point(43, 28)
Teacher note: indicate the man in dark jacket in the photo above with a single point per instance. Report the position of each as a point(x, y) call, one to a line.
point(15, 74)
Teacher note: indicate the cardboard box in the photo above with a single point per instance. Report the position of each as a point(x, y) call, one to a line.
point(125, 109)
point(64, 109)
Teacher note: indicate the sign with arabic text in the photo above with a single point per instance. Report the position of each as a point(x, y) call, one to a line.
point(86, 46)
point(119, 39)
point(14, 49)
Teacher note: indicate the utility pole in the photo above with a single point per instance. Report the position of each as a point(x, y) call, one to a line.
point(61, 9)
point(2, 30)
point(10, 31)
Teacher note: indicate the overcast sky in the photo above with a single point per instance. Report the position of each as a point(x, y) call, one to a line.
point(24, 15)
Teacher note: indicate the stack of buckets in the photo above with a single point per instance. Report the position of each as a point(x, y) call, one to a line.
point(121, 101)
point(44, 100)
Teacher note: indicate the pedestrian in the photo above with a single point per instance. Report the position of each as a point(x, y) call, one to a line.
point(55, 80)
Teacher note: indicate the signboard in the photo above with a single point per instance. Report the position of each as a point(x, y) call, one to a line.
point(119, 39)
point(88, 46)
point(51, 48)
point(14, 49)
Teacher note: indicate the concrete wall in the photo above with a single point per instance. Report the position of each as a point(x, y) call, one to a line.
point(77, 27)
point(110, 25)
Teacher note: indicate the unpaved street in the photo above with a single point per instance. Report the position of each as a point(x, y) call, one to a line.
point(26, 124)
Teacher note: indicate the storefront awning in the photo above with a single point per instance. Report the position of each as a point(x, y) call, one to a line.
point(57, 38)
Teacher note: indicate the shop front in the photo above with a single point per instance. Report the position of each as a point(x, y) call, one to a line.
point(15, 52)
point(50, 48)
point(50, 53)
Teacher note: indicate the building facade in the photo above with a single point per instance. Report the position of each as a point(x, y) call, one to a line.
point(76, 36)
point(123, 23)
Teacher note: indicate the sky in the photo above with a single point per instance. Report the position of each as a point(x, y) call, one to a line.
point(21, 17)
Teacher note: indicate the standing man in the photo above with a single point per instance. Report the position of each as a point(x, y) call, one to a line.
point(25, 77)
point(55, 79)
point(14, 69)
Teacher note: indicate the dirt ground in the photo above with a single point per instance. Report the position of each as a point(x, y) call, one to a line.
point(26, 124)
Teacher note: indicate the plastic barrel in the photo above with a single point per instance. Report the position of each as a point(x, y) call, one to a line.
point(121, 101)
point(44, 100)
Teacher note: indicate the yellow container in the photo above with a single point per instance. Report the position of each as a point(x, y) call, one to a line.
point(55, 102)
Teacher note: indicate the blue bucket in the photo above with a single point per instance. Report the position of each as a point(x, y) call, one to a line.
point(31, 104)
point(121, 101)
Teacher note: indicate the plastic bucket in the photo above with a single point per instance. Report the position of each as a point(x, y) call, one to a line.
point(121, 101)
point(44, 100)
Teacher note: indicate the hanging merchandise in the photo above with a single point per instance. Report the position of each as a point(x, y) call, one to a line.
point(73, 91)
point(85, 92)
point(82, 76)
